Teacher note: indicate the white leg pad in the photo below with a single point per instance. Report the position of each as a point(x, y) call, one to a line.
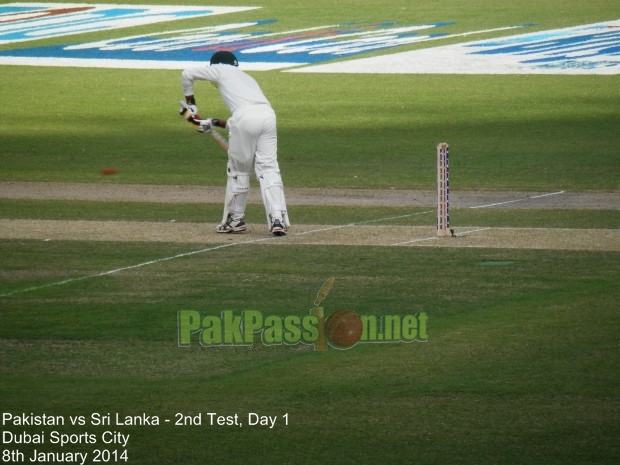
point(237, 189)
point(272, 190)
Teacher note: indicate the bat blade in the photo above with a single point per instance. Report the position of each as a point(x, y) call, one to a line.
point(219, 139)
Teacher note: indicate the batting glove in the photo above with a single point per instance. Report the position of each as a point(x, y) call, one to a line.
point(203, 125)
point(187, 111)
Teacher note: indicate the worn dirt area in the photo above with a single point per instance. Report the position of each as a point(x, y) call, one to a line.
point(345, 234)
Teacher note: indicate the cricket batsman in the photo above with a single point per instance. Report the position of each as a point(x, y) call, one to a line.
point(252, 141)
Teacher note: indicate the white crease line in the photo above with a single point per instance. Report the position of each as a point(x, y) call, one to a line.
point(436, 237)
point(210, 249)
point(348, 225)
point(417, 240)
point(483, 206)
point(519, 200)
point(330, 228)
point(393, 217)
point(195, 252)
point(125, 268)
point(472, 231)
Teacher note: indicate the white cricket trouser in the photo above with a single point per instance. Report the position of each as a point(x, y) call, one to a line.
point(253, 140)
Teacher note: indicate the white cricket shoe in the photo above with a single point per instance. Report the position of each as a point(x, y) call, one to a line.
point(232, 226)
point(277, 228)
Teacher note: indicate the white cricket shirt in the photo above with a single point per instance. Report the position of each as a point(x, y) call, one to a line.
point(237, 88)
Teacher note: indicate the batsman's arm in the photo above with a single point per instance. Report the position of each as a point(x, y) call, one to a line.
point(201, 73)
point(206, 125)
point(220, 123)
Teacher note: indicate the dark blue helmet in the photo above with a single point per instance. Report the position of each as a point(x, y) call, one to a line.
point(224, 57)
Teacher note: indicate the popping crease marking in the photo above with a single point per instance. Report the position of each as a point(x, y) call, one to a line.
point(519, 200)
point(187, 254)
point(484, 206)
point(118, 270)
point(436, 238)
point(254, 241)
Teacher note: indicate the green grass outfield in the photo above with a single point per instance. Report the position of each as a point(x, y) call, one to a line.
point(521, 132)
point(521, 361)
